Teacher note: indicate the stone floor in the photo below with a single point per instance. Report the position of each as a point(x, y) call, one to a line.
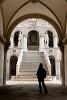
point(26, 90)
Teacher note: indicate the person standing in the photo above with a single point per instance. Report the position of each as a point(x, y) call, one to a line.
point(41, 74)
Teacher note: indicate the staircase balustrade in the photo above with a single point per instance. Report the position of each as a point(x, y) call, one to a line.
point(19, 62)
point(47, 61)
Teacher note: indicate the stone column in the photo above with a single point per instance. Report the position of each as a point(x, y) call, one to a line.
point(55, 41)
point(25, 42)
point(2, 43)
point(62, 62)
point(1, 63)
point(41, 43)
point(6, 46)
point(58, 73)
point(65, 58)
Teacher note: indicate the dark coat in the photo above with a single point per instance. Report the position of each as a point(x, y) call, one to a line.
point(41, 73)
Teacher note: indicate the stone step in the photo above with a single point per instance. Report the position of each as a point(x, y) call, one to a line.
point(30, 63)
point(30, 68)
point(33, 54)
point(34, 59)
point(22, 78)
point(35, 64)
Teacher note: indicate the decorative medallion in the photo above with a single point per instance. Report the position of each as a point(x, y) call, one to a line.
point(34, 1)
point(14, 51)
point(50, 51)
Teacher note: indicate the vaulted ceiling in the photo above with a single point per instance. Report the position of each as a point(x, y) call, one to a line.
point(14, 11)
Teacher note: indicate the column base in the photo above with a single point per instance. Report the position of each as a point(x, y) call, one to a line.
point(25, 50)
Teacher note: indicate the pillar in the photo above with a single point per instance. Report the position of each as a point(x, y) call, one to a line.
point(55, 41)
point(58, 72)
point(65, 58)
point(25, 42)
point(62, 62)
point(1, 63)
point(41, 43)
point(6, 46)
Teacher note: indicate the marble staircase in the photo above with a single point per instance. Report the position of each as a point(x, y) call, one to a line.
point(30, 64)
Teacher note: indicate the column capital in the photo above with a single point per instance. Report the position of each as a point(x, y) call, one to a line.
point(2, 39)
point(65, 41)
point(60, 44)
point(25, 35)
point(7, 44)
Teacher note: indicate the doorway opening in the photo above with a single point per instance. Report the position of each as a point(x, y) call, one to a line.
point(13, 62)
point(53, 69)
point(33, 40)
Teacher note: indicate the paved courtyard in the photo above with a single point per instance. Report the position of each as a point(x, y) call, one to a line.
point(26, 90)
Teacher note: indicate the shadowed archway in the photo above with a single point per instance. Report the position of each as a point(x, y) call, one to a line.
point(33, 40)
point(53, 69)
point(13, 62)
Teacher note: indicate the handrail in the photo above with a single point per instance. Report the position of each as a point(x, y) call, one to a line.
point(19, 61)
point(47, 61)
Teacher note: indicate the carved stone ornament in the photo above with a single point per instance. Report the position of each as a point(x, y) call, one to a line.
point(34, 1)
point(50, 51)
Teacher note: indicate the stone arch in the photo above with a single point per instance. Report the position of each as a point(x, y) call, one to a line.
point(53, 66)
point(52, 30)
point(16, 30)
point(34, 16)
point(33, 40)
point(13, 62)
point(19, 39)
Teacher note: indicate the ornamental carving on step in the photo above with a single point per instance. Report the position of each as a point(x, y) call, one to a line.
point(34, 1)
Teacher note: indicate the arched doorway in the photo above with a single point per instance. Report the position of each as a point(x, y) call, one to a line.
point(53, 67)
point(13, 62)
point(33, 40)
point(16, 38)
point(50, 34)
